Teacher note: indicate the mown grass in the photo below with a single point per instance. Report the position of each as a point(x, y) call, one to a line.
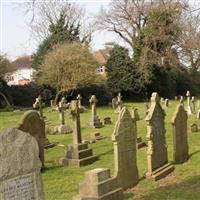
point(61, 183)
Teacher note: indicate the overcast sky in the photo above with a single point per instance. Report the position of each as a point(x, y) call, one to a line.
point(16, 38)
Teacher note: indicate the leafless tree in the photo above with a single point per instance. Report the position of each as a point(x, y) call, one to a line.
point(44, 13)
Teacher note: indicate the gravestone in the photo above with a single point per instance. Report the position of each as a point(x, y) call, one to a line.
point(99, 185)
point(176, 98)
point(125, 162)
point(97, 136)
point(107, 120)
point(198, 104)
point(194, 128)
point(20, 177)
point(193, 104)
point(135, 116)
point(198, 114)
point(180, 138)
point(157, 157)
point(189, 109)
point(94, 121)
point(114, 103)
point(63, 128)
point(38, 105)
point(32, 123)
point(119, 103)
point(77, 154)
point(182, 100)
point(166, 103)
point(81, 108)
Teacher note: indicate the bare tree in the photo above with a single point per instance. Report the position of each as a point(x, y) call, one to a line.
point(127, 17)
point(189, 40)
point(44, 13)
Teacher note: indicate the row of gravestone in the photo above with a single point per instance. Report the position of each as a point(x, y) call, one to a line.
point(98, 183)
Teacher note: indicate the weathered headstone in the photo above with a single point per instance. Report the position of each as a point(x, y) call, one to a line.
point(114, 103)
point(32, 123)
point(180, 138)
point(39, 105)
point(157, 157)
point(99, 185)
point(94, 121)
point(125, 162)
point(198, 114)
point(193, 104)
point(63, 128)
point(182, 100)
point(176, 98)
point(135, 116)
point(119, 103)
point(77, 154)
point(81, 108)
point(107, 120)
point(97, 136)
point(194, 128)
point(189, 109)
point(20, 177)
point(166, 103)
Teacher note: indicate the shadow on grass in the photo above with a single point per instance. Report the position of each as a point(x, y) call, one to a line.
point(192, 154)
point(48, 168)
point(185, 190)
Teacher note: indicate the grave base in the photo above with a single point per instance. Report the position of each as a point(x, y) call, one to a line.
point(78, 156)
point(160, 172)
point(140, 143)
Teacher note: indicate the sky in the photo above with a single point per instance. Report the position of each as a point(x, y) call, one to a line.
point(16, 39)
point(15, 35)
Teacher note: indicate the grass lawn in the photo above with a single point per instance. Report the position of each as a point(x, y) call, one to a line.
point(61, 183)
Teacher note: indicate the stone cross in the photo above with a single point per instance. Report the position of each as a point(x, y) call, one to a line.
point(38, 105)
point(79, 98)
point(180, 141)
point(189, 110)
point(124, 138)
point(74, 110)
point(61, 108)
point(119, 102)
point(95, 121)
point(20, 177)
point(157, 155)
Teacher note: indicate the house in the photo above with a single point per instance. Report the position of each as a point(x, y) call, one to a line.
point(20, 71)
point(101, 57)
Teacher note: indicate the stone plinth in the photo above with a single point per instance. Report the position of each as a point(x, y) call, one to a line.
point(98, 185)
point(78, 155)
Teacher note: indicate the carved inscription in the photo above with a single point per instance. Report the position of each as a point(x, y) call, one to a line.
point(19, 188)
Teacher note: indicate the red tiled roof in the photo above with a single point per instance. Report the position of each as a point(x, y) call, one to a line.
point(20, 63)
point(101, 56)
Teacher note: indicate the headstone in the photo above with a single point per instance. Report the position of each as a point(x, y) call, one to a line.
point(97, 136)
point(135, 116)
point(107, 120)
point(180, 138)
point(193, 104)
point(189, 109)
point(166, 103)
point(81, 108)
point(125, 162)
point(182, 100)
point(20, 177)
point(32, 123)
point(157, 157)
point(198, 104)
point(77, 154)
point(38, 105)
point(114, 103)
point(94, 121)
point(198, 114)
point(63, 128)
point(194, 128)
point(176, 98)
point(99, 185)
point(119, 103)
